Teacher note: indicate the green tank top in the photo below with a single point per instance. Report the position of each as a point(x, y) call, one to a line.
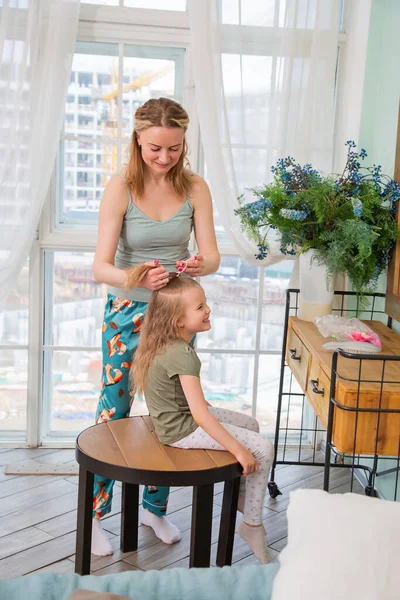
point(143, 239)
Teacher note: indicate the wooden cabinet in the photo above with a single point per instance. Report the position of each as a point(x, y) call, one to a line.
point(317, 391)
point(364, 389)
point(298, 357)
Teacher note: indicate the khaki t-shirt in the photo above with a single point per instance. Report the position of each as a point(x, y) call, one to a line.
point(164, 395)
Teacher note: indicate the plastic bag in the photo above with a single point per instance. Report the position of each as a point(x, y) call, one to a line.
point(342, 329)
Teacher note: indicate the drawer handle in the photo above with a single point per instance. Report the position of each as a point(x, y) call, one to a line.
point(292, 352)
point(314, 386)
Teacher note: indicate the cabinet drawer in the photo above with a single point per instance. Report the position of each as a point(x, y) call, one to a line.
point(318, 388)
point(297, 357)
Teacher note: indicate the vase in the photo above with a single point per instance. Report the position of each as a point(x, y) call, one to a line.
point(316, 291)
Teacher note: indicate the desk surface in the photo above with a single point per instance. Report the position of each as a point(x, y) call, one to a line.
point(349, 369)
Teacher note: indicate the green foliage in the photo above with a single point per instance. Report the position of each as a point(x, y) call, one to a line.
point(349, 219)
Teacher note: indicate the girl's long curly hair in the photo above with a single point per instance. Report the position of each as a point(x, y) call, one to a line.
point(160, 328)
point(159, 112)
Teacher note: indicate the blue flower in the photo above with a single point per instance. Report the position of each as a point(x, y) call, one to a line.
point(255, 210)
point(285, 250)
point(391, 191)
point(295, 215)
point(262, 252)
point(357, 207)
point(309, 170)
point(355, 178)
point(376, 170)
point(287, 244)
point(372, 283)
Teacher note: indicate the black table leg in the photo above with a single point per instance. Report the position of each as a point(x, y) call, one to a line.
point(129, 517)
point(84, 522)
point(200, 540)
point(228, 521)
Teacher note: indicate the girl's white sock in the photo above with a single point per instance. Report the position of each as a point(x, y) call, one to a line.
point(100, 544)
point(255, 538)
point(164, 529)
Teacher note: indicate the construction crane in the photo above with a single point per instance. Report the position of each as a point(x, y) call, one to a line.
point(110, 124)
point(138, 83)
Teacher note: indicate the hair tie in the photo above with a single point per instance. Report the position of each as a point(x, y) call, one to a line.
point(182, 269)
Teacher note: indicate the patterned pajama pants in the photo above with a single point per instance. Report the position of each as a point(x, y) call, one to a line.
point(246, 430)
point(120, 337)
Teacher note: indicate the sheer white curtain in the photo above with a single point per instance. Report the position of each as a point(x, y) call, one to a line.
point(37, 40)
point(264, 73)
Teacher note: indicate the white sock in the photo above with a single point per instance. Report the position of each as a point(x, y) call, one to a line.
point(240, 505)
point(255, 538)
point(100, 544)
point(164, 529)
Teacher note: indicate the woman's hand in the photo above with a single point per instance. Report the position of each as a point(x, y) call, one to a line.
point(248, 462)
point(194, 266)
point(156, 278)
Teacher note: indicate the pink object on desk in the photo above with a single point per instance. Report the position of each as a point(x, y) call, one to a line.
point(362, 336)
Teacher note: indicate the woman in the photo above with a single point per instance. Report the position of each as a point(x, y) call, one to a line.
point(146, 216)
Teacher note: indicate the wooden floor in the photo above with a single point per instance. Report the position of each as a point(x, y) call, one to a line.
point(38, 520)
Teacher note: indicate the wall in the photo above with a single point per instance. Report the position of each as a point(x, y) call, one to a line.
point(350, 90)
point(380, 104)
point(378, 124)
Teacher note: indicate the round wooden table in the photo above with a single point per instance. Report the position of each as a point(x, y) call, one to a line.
point(128, 450)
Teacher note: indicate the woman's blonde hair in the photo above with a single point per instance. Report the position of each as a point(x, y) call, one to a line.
point(159, 112)
point(160, 327)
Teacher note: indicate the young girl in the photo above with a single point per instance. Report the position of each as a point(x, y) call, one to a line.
point(167, 370)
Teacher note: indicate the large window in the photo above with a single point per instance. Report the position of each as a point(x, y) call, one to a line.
point(127, 52)
point(108, 82)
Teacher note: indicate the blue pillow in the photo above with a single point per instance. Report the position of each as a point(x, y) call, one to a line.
point(230, 583)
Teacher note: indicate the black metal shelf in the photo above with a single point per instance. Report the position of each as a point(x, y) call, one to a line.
point(299, 445)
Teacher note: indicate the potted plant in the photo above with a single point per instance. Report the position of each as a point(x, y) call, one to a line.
point(341, 223)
